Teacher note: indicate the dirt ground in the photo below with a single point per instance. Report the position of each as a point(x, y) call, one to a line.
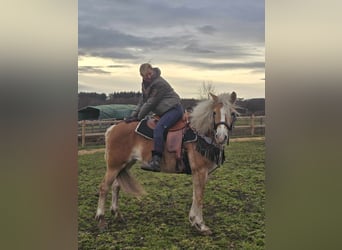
point(91, 151)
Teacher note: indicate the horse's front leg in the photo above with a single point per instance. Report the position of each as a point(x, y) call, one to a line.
point(199, 178)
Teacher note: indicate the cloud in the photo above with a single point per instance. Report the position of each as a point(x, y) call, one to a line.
point(201, 34)
point(91, 37)
point(207, 29)
point(117, 66)
point(91, 70)
point(195, 48)
point(169, 28)
point(106, 53)
point(226, 66)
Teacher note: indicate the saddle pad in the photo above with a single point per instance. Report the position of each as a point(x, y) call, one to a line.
point(143, 130)
point(189, 136)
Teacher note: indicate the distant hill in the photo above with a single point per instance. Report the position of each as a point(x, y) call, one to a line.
point(254, 106)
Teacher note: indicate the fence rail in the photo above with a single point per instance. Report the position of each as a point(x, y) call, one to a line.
point(93, 132)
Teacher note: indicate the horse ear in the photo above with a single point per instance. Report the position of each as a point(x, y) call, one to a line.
point(233, 97)
point(215, 98)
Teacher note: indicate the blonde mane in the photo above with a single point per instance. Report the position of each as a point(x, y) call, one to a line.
point(201, 119)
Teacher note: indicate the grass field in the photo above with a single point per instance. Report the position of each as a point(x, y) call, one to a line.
point(234, 206)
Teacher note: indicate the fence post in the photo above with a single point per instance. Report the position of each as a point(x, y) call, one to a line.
point(83, 133)
point(252, 124)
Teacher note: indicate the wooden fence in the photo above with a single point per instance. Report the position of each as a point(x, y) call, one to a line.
point(92, 132)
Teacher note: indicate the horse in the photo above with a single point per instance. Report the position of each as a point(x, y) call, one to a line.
point(210, 120)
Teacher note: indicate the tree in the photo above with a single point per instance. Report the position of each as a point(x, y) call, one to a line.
point(205, 89)
point(91, 99)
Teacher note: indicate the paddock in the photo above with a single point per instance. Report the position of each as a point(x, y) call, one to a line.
point(234, 198)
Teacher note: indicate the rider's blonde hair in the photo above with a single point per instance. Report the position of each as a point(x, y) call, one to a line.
point(144, 68)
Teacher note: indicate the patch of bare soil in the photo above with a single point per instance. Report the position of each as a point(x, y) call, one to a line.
point(248, 139)
point(90, 151)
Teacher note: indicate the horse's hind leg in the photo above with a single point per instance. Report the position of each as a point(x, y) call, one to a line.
point(103, 191)
point(115, 195)
point(115, 201)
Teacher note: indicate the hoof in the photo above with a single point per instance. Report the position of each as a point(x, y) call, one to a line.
point(206, 232)
point(202, 229)
point(117, 215)
point(102, 225)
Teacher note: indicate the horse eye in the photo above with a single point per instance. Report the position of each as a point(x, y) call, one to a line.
point(214, 113)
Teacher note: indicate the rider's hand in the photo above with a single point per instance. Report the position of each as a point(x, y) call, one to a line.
point(131, 119)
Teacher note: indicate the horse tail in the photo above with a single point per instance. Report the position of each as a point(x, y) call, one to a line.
point(129, 184)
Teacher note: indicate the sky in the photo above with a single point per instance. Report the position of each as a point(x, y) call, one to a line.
point(192, 42)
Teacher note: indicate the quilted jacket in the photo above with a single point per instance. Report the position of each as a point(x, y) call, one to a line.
point(157, 97)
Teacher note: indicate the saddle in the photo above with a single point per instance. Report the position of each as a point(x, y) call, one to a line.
point(174, 136)
point(178, 134)
point(174, 139)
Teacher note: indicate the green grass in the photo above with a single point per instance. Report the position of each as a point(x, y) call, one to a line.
point(234, 206)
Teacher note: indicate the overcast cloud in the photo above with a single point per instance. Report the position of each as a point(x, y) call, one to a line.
point(215, 34)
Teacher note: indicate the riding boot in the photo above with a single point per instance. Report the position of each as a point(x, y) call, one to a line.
point(154, 164)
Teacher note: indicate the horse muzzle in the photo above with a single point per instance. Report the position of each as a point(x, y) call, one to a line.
point(221, 137)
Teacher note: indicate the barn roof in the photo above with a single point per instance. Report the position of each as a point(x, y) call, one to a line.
point(110, 111)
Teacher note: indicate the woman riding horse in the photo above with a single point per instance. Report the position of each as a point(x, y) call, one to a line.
point(160, 98)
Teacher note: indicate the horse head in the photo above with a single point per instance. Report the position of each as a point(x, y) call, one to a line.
point(224, 116)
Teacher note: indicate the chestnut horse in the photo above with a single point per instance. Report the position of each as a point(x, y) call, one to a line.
point(210, 120)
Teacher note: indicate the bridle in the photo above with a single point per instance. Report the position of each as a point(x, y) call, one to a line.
point(225, 123)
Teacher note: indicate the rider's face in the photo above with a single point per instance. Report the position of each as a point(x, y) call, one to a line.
point(148, 75)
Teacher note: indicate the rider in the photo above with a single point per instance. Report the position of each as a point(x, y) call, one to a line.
point(160, 98)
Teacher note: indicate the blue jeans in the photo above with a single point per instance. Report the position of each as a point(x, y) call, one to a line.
point(168, 119)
